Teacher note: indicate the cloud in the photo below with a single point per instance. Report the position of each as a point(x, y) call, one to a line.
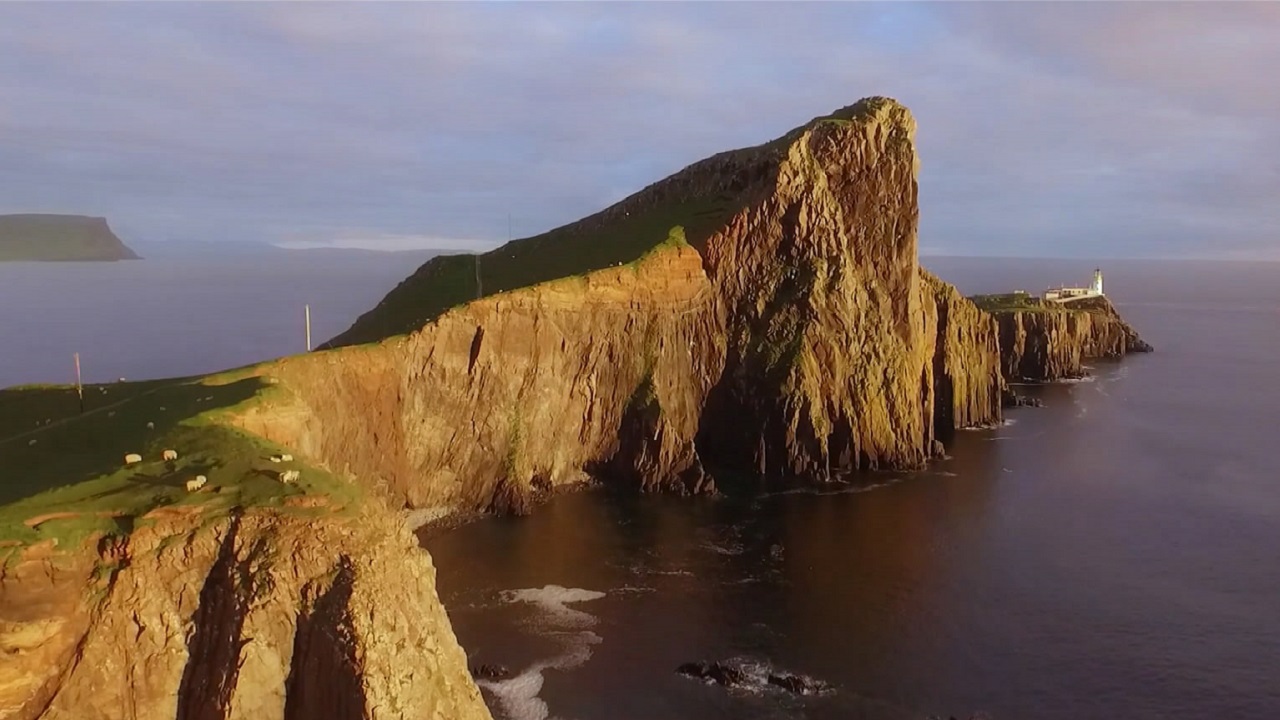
point(1082, 129)
point(360, 241)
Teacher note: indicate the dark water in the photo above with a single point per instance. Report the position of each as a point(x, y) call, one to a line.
point(1115, 554)
point(173, 316)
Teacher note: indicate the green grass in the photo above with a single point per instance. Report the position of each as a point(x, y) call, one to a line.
point(1020, 302)
point(76, 464)
point(573, 250)
point(606, 239)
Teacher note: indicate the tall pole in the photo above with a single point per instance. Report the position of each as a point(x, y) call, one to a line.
point(307, 311)
point(79, 387)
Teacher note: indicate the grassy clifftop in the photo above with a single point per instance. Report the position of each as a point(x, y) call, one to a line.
point(63, 476)
point(60, 237)
point(697, 201)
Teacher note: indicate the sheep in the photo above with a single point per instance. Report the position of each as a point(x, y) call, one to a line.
point(277, 458)
point(196, 483)
point(111, 413)
point(286, 458)
point(132, 458)
point(289, 476)
point(168, 455)
point(151, 426)
point(161, 408)
point(31, 442)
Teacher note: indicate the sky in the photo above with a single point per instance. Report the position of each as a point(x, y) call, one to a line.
point(1088, 129)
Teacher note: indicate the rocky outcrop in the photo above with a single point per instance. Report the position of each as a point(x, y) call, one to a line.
point(1052, 344)
point(258, 616)
point(60, 237)
point(966, 362)
point(753, 677)
point(794, 336)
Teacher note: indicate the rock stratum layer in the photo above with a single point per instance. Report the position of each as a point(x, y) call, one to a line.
point(1045, 346)
point(795, 335)
point(60, 237)
point(259, 616)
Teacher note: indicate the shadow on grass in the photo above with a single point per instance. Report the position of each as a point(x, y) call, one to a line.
point(93, 445)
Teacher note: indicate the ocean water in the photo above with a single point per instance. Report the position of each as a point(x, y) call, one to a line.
point(1114, 554)
point(176, 316)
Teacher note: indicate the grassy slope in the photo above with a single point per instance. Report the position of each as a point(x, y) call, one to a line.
point(1021, 302)
point(75, 466)
point(448, 281)
point(696, 203)
point(59, 237)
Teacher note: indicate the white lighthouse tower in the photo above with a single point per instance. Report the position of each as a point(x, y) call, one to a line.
point(1096, 287)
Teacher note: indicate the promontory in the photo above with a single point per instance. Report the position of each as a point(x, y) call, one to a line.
point(60, 237)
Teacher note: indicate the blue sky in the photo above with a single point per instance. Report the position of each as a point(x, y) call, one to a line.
point(1070, 130)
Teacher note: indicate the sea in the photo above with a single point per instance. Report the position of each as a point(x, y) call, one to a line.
point(1114, 554)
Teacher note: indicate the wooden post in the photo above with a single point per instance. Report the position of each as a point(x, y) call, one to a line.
point(79, 387)
point(307, 310)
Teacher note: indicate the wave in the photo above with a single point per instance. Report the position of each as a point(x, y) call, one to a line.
point(517, 698)
point(1073, 381)
point(553, 601)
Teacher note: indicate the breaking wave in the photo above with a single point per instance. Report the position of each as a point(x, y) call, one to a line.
point(517, 698)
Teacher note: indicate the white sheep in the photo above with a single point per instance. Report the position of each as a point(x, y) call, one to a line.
point(196, 483)
point(32, 441)
point(286, 458)
point(289, 476)
point(111, 413)
point(161, 408)
point(151, 426)
point(277, 458)
point(132, 458)
point(168, 455)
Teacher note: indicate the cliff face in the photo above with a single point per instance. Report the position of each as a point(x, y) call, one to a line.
point(795, 335)
point(258, 617)
point(59, 237)
point(966, 362)
point(1046, 346)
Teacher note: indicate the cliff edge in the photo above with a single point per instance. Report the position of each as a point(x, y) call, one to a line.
point(60, 237)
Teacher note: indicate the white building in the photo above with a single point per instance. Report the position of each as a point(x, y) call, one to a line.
point(1063, 294)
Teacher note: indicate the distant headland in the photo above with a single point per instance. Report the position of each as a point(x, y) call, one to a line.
point(60, 237)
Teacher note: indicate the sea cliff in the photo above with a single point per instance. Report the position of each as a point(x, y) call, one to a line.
point(775, 324)
point(60, 237)
point(1043, 342)
point(256, 616)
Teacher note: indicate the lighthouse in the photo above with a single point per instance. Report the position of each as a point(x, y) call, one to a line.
point(1096, 287)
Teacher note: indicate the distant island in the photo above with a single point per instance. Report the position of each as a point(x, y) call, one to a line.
point(60, 237)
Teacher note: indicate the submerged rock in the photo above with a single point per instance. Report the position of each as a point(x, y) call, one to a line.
point(1011, 399)
point(715, 672)
point(798, 684)
point(485, 671)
